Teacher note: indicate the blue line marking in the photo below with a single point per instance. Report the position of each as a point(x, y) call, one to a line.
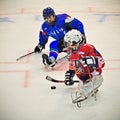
point(6, 19)
point(38, 18)
point(103, 17)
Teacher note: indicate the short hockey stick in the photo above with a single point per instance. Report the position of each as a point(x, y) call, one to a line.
point(24, 56)
point(58, 81)
point(28, 54)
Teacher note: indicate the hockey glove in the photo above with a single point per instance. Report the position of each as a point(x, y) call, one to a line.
point(69, 77)
point(61, 46)
point(39, 48)
point(83, 38)
point(89, 61)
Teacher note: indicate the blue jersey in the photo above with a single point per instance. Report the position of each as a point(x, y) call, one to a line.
point(63, 24)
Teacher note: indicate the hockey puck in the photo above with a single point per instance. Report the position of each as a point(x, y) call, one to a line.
point(53, 87)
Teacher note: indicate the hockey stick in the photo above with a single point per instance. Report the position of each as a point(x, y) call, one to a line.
point(58, 81)
point(28, 54)
point(24, 56)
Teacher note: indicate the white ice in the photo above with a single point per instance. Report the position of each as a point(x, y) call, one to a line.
point(25, 94)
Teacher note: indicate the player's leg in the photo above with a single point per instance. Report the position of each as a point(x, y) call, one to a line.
point(53, 54)
point(87, 89)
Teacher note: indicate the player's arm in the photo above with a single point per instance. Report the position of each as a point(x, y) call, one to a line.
point(98, 57)
point(43, 38)
point(73, 23)
point(93, 59)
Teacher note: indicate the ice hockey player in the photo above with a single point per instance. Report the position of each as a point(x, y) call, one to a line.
point(85, 62)
point(56, 26)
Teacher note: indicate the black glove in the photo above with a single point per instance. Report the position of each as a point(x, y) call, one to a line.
point(69, 77)
point(61, 45)
point(89, 61)
point(39, 48)
point(83, 38)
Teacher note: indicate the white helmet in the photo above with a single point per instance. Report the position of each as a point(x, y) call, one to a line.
point(73, 36)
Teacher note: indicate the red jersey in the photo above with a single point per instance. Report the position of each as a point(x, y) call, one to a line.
point(85, 50)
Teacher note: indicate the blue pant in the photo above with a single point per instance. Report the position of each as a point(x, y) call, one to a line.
point(54, 49)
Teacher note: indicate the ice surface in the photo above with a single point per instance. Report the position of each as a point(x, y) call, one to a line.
point(25, 94)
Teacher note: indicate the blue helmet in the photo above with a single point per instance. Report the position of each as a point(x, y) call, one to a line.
point(48, 12)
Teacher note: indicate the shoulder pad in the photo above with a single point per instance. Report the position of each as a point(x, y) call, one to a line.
point(68, 19)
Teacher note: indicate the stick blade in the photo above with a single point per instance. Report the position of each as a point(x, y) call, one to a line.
point(48, 78)
point(53, 80)
point(17, 59)
point(24, 56)
point(58, 81)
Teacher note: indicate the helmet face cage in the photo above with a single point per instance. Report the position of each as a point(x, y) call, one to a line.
point(73, 37)
point(48, 12)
